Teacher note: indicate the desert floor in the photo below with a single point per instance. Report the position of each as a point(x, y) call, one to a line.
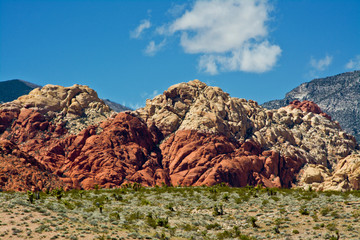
point(218, 212)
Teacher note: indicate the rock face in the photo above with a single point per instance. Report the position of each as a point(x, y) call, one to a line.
point(124, 151)
point(77, 106)
point(338, 96)
point(195, 159)
point(300, 131)
point(20, 171)
point(192, 134)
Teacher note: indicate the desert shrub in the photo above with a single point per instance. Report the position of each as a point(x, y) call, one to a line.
point(162, 222)
point(278, 221)
point(303, 211)
point(150, 220)
point(252, 221)
point(170, 206)
point(324, 211)
point(117, 197)
point(114, 216)
point(189, 227)
point(218, 210)
point(58, 193)
point(331, 227)
point(226, 196)
point(335, 214)
point(30, 197)
point(134, 216)
point(68, 205)
point(224, 235)
point(215, 226)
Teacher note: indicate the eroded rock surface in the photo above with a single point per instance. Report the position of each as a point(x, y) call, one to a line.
point(22, 172)
point(192, 134)
point(194, 159)
point(77, 106)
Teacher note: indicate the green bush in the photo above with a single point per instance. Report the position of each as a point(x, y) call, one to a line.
point(303, 211)
point(213, 226)
point(217, 211)
point(252, 221)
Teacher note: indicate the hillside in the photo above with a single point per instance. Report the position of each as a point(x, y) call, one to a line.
point(191, 135)
point(338, 95)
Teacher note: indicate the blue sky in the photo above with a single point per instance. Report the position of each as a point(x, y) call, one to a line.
point(132, 50)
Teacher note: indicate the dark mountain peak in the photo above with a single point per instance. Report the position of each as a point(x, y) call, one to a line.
point(12, 89)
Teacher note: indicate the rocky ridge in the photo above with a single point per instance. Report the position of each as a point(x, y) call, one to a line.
point(337, 95)
point(77, 106)
point(192, 134)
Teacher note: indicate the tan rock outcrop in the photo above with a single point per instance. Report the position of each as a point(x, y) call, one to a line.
point(300, 130)
point(346, 176)
point(194, 105)
point(78, 106)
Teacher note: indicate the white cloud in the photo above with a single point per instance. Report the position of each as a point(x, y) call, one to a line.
point(145, 24)
point(250, 58)
point(354, 63)
point(321, 64)
point(176, 9)
point(147, 95)
point(228, 35)
point(231, 35)
point(208, 63)
point(152, 48)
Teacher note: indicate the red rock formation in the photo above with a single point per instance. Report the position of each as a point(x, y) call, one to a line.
point(39, 152)
point(125, 151)
point(21, 172)
point(308, 106)
point(193, 159)
point(6, 118)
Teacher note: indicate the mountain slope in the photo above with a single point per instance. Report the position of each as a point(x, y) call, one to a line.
point(12, 89)
point(192, 135)
point(338, 95)
point(116, 106)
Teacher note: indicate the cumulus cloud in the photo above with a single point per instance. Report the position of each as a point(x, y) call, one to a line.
point(228, 35)
point(231, 35)
point(321, 64)
point(354, 63)
point(145, 24)
point(152, 48)
point(249, 58)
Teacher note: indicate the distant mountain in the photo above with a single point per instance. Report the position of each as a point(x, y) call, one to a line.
point(12, 89)
point(338, 95)
point(116, 106)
